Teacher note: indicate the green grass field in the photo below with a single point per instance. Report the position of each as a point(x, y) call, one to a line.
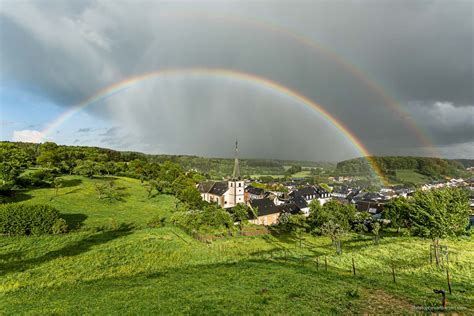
point(113, 264)
point(78, 200)
point(411, 176)
point(302, 174)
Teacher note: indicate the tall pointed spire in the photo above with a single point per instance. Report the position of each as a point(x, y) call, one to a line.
point(236, 173)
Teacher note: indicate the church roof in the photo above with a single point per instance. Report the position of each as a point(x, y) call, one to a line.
point(219, 188)
point(213, 187)
point(204, 187)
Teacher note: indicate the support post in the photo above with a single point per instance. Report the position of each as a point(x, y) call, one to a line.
point(449, 281)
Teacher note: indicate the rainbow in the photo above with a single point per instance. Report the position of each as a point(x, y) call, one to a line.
point(390, 102)
point(219, 73)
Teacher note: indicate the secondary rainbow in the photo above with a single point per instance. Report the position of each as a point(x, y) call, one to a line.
point(217, 73)
point(265, 25)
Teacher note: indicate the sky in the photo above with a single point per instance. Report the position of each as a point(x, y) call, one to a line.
point(398, 75)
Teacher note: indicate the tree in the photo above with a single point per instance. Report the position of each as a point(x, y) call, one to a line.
point(298, 225)
point(150, 186)
point(398, 212)
point(191, 196)
point(325, 186)
point(376, 228)
point(49, 155)
point(240, 214)
point(333, 219)
point(12, 163)
point(85, 168)
point(335, 232)
point(57, 183)
point(438, 214)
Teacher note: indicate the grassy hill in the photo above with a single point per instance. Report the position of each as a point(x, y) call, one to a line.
point(78, 201)
point(410, 176)
point(414, 170)
point(114, 264)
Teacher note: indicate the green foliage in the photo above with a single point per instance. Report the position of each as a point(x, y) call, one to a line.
point(333, 219)
point(439, 214)
point(432, 168)
point(13, 160)
point(332, 211)
point(397, 210)
point(85, 168)
point(59, 226)
point(210, 218)
point(108, 191)
point(240, 213)
point(30, 219)
point(41, 177)
point(157, 221)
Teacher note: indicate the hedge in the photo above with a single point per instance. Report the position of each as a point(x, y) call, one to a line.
point(30, 219)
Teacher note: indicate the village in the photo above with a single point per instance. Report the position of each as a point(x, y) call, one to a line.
point(295, 196)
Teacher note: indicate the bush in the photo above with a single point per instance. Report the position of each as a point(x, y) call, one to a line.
point(38, 178)
point(157, 222)
point(60, 226)
point(30, 219)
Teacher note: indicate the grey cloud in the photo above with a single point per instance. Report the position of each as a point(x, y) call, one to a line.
point(420, 52)
point(84, 130)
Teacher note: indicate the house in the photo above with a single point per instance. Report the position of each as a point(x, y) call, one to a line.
point(374, 208)
point(301, 203)
point(341, 192)
point(269, 212)
point(309, 193)
point(255, 193)
point(228, 193)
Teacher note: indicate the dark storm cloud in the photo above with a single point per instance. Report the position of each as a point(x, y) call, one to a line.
point(420, 52)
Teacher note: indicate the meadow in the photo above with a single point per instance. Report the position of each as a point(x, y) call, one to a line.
point(113, 263)
point(411, 176)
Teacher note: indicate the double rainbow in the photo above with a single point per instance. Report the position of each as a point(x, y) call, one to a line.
point(217, 73)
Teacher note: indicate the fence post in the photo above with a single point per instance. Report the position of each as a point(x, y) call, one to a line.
point(449, 281)
point(353, 266)
point(325, 263)
point(431, 255)
point(393, 274)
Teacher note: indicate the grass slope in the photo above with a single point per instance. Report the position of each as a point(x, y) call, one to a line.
point(128, 269)
point(411, 176)
point(78, 201)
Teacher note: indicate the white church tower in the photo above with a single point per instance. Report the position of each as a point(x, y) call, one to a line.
point(236, 184)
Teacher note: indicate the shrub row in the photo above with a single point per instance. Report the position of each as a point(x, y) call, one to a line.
point(30, 219)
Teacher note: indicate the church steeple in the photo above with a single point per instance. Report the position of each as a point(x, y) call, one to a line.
point(236, 173)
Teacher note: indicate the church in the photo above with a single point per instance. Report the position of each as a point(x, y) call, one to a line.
point(228, 193)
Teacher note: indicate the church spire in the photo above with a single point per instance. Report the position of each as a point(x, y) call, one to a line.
point(236, 173)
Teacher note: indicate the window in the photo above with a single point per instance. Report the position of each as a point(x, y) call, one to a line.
point(240, 184)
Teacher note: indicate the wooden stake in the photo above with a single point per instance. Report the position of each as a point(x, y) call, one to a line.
point(393, 274)
point(353, 266)
point(449, 281)
point(431, 255)
point(325, 263)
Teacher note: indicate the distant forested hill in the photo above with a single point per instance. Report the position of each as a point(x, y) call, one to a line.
point(432, 168)
point(214, 167)
point(467, 163)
